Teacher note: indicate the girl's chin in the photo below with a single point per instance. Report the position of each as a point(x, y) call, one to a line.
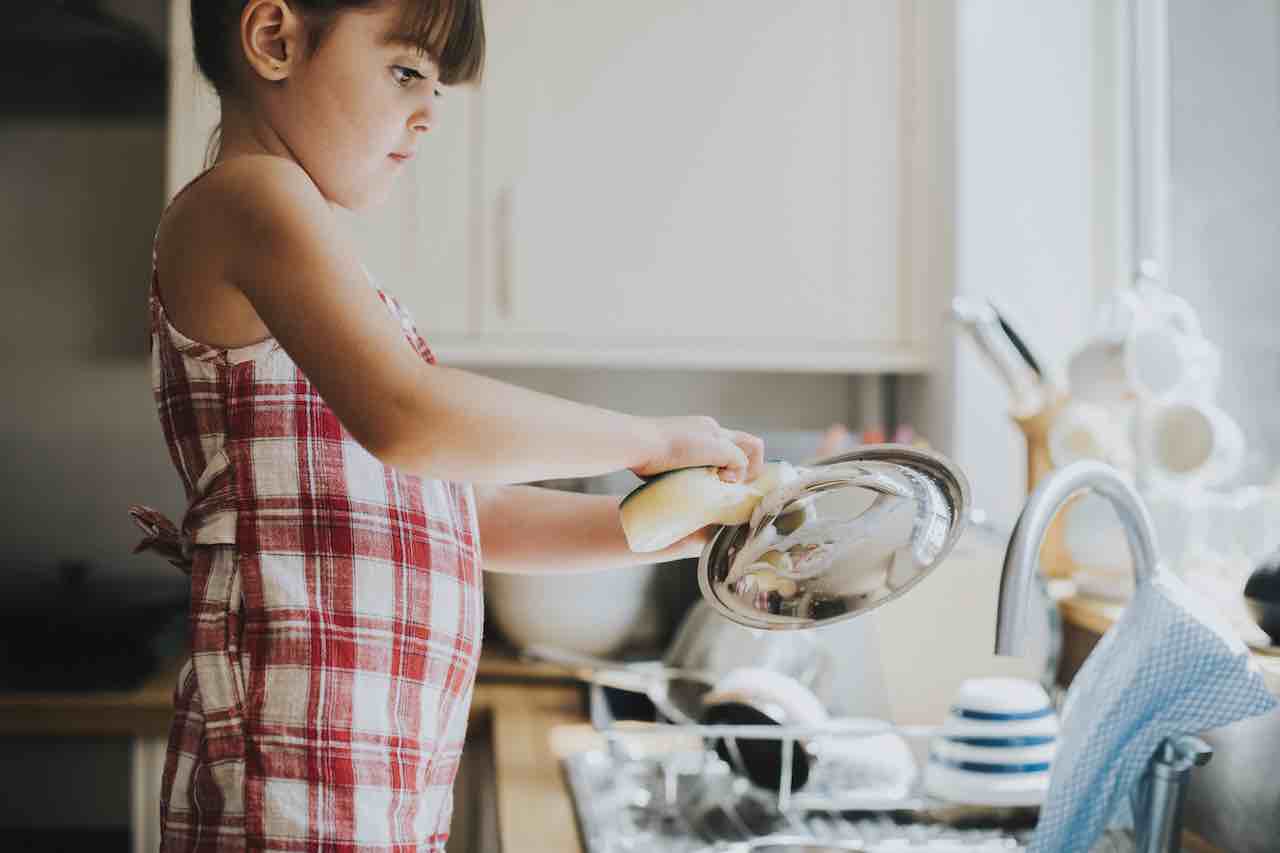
point(372, 194)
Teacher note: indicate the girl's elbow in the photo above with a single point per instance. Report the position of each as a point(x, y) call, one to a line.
point(390, 439)
point(400, 454)
point(388, 447)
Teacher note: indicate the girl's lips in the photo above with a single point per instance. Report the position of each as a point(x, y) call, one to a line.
point(401, 158)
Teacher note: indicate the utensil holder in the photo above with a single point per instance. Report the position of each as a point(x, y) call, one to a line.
point(1055, 559)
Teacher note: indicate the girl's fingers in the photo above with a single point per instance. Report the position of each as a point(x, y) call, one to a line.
point(736, 470)
point(753, 447)
point(738, 456)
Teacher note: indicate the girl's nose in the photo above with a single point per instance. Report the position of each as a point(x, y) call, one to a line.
point(424, 117)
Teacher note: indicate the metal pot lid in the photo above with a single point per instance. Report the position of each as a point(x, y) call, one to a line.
point(857, 530)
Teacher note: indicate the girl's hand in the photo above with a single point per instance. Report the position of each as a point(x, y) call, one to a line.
point(692, 546)
point(693, 441)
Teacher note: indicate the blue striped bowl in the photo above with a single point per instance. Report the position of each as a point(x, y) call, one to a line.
point(996, 746)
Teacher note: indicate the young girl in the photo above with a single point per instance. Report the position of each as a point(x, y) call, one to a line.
point(341, 483)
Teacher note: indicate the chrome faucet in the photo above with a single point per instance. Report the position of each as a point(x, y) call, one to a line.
point(1159, 795)
point(1022, 556)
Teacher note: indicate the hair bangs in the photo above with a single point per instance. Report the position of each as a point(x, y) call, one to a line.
point(451, 32)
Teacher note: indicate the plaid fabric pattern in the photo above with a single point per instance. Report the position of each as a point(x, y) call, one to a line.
point(335, 615)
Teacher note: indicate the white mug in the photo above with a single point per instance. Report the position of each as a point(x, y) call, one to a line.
point(1147, 344)
point(1167, 307)
point(1163, 363)
point(1190, 443)
point(1116, 315)
point(1086, 431)
point(1155, 361)
point(1096, 374)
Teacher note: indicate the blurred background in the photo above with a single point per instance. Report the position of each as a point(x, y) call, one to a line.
point(768, 226)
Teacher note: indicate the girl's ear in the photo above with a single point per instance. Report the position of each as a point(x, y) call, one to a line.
point(271, 37)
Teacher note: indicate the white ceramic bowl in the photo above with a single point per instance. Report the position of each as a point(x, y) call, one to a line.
point(594, 613)
point(776, 694)
point(878, 766)
point(997, 745)
point(1000, 699)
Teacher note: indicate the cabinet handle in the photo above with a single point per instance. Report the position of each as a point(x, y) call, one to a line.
point(504, 216)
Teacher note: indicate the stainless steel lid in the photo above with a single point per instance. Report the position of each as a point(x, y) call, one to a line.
point(856, 530)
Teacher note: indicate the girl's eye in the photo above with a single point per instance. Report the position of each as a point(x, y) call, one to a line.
point(405, 76)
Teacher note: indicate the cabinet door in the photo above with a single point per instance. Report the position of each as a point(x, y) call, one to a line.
point(417, 244)
point(193, 106)
point(712, 175)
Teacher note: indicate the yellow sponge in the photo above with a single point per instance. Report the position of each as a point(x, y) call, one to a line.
point(674, 504)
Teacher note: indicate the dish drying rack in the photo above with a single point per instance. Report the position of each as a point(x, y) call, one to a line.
point(620, 742)
point(659, 787)
point(827, 789)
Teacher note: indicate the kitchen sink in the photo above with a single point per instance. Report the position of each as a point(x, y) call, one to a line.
point(675, 795)
point(690, 802)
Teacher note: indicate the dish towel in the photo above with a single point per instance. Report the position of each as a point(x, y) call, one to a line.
point(1169, 666)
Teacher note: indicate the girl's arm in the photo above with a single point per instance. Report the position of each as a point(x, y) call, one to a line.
point(287, 255)
point(531, 529)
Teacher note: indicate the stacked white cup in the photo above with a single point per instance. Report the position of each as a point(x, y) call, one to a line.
point(1143, 391)
point(1150, 364)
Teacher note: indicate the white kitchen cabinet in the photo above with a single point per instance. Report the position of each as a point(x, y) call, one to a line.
point(193, 107)
point(714, 183)
point(705, 184)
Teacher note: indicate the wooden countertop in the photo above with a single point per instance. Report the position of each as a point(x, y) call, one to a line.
point(522, 704)
point(535, 811)
point(1096, 616)
point(146, 710)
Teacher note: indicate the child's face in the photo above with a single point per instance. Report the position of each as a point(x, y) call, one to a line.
point(353, 112)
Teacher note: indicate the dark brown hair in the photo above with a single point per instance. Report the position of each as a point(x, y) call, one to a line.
point(451, 32)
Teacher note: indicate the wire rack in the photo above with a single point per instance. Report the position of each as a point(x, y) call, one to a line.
point(659, 787)
point(824, 793)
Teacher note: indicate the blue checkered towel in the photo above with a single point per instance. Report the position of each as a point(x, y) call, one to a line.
point(1170, 666)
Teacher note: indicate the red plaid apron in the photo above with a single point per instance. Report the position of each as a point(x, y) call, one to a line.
point(335, 615)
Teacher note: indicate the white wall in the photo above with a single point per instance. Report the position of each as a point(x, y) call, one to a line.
point(1023, 207)
point(1034, 165)
point(1031, 180)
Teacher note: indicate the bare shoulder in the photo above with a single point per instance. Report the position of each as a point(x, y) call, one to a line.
point(217, 228)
